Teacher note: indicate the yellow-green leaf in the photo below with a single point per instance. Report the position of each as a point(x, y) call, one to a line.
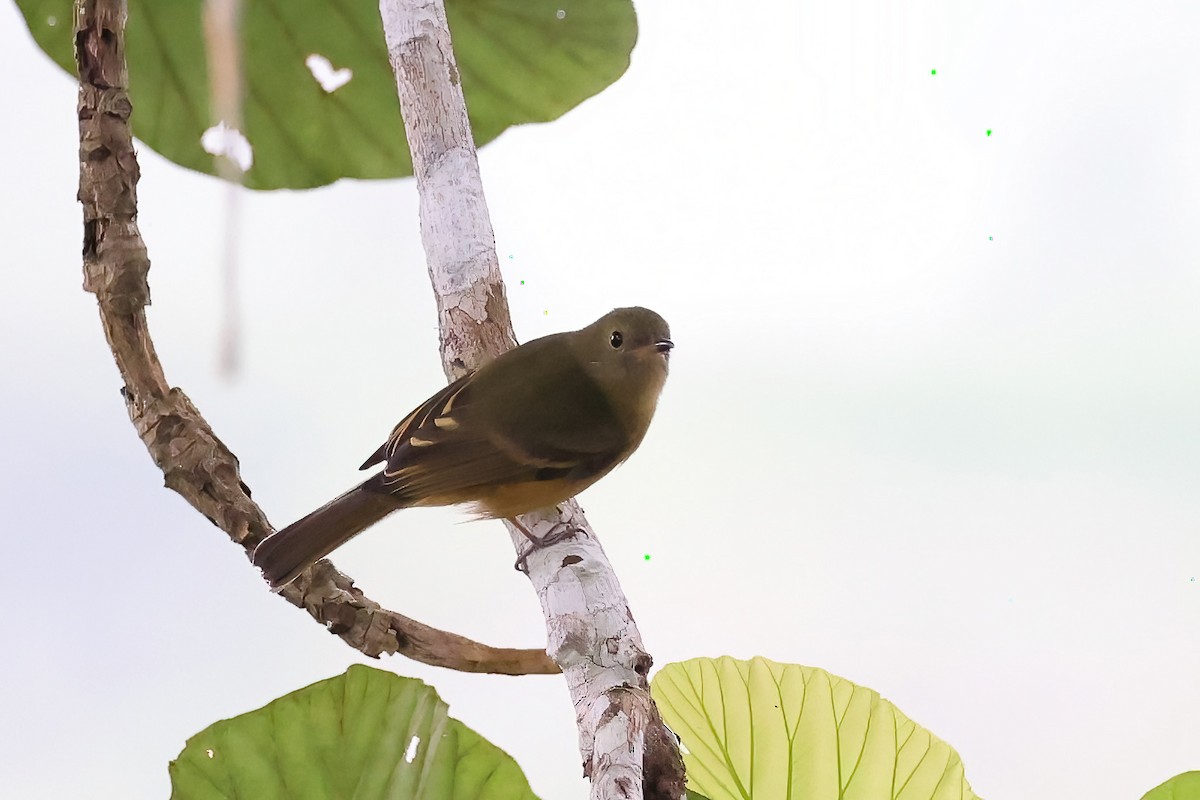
point(1185, 786)
point(767, 731)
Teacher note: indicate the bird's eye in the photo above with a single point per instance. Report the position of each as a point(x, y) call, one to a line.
point(616, 339)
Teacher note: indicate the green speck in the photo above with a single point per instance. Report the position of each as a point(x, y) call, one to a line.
point(933, 72)
point(989, 238)
point(989, 132)
point(522, 283)
point(647, 556)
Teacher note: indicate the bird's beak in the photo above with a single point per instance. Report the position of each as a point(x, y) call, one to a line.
point(664, 346)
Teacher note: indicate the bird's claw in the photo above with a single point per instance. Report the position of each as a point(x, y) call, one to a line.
point(560, 532)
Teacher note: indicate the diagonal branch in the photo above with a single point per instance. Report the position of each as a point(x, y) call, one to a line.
point(195, 463)
point(627, 750)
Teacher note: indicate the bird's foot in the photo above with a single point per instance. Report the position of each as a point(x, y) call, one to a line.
point(560, 532)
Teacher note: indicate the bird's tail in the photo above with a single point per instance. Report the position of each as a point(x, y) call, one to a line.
point(285, 554)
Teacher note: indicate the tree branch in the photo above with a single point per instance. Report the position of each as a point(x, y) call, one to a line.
point(591, 630)
point(627, 751)
point(195, 463)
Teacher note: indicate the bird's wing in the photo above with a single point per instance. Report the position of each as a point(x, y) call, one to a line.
point(536, 425)
point(447, 447)
point(422, 418)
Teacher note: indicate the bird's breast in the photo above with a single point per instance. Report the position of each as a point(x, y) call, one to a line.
point(514, 499)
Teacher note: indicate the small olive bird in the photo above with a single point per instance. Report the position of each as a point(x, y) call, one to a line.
point(526, 431)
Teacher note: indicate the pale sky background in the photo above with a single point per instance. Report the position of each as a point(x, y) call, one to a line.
point(933, 421)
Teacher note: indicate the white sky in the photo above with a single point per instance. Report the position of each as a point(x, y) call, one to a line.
point(932, 422)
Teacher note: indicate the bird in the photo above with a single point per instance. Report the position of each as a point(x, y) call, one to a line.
point(525, 431)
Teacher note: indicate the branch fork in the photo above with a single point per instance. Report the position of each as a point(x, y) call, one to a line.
point(627, 751)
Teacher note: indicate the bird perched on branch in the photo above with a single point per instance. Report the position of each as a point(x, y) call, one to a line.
point(526, 431)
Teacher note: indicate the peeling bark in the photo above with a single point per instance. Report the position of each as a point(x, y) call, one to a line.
point(627, 751)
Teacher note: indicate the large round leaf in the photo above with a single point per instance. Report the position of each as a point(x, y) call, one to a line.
point(363, 735)
point(520, 61)
point(769, 731)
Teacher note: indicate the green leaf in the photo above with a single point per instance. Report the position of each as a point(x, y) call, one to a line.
point(347, 737)
point(519, 61)
point(770, 731)
point(1185, 786)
